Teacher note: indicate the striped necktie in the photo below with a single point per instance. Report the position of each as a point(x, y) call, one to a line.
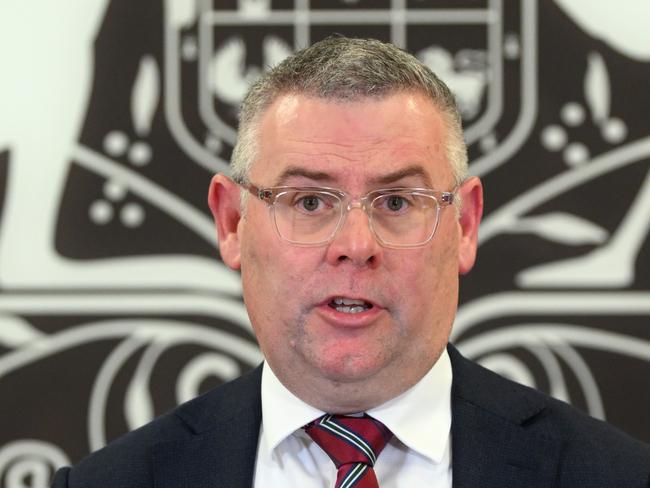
point(353, 444)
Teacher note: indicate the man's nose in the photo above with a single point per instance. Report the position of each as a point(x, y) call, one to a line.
point(355, 241)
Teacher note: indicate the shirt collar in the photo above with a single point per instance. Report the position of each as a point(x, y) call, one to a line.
point(283, 413)
point(420, 417)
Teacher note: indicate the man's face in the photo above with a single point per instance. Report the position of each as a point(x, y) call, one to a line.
point(340, 361)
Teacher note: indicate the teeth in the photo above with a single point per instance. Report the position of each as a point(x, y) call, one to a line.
point(348, 301)
point(355, 309)
point(349, 305)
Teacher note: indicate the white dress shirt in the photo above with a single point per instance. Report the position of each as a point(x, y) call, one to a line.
point(418, 455)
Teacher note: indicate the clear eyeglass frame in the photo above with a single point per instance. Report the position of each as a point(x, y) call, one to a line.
point(271, 195)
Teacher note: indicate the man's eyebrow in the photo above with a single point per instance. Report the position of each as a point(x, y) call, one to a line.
point(413, 170)
point(292, 171)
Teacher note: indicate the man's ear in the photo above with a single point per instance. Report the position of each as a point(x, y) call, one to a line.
point(471, 194)
point(223, 198)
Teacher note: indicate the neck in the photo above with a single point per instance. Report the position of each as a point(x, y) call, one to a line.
point(350, 395)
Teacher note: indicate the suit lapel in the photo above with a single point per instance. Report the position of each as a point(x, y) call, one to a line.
point(221, 449)
point(494, 439)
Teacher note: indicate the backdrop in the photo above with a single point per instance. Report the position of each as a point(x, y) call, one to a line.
point(114, 304)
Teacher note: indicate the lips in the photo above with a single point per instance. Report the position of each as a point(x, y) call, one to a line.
point(349, 305)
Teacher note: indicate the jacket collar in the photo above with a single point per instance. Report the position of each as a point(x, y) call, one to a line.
point(221, 450)
point(495, 441)
point(495, 436)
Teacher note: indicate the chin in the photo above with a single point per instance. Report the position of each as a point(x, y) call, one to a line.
point(350, 369)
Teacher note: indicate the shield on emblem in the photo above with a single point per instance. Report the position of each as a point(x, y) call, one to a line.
point(482, 49)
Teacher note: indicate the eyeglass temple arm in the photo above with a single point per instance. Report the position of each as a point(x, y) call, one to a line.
point(262, 194)
point(447, 197)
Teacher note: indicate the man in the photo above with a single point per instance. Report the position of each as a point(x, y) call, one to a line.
point(350, 215)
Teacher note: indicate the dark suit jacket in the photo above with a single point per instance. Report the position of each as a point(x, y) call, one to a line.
point(503, 435)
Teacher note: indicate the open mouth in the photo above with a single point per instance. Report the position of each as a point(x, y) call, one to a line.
point(349, 305)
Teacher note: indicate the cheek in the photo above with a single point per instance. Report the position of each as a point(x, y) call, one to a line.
point(432, 286)
point(276, 277)
point(258, 272)
point(443, 276)
point(260, 247)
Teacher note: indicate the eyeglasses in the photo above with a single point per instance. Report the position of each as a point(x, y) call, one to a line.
point(311, 216)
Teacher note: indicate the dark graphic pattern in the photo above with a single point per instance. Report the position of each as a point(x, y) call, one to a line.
point(114, 304)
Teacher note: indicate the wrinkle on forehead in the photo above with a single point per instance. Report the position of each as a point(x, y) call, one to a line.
point(384, 147)
point(338, 143)
point(374, 179)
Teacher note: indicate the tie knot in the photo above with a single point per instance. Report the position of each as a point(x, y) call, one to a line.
point(349, 440)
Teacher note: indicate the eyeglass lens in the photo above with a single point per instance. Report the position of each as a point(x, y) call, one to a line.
point(396, 218)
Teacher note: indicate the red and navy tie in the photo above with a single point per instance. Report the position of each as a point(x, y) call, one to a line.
point(353, 444)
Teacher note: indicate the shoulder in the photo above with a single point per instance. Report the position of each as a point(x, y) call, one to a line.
point(127, 461)
point(124, 461)
point(585, 448)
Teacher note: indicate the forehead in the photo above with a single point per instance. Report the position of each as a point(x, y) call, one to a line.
point(355, 142)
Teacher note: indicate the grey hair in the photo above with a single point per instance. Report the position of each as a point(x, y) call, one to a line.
point(343, 69)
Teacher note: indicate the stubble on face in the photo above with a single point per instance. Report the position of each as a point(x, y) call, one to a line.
point(339, 373)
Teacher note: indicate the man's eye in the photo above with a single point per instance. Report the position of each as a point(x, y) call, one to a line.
point(396, 203)
point(309, 203)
